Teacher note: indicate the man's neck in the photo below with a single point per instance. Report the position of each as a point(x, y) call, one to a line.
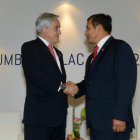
point(102, 36)
point(42, 36)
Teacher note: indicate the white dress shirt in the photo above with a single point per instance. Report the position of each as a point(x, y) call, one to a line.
point(102, 42)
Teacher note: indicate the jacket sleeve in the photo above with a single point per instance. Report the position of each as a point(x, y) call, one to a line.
point(83, 84)
point(126, 73)
point(45, 82)
point(82, 89)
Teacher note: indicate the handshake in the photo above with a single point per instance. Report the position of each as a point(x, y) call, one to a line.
point(71, 88)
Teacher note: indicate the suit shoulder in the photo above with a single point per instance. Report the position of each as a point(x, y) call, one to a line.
point(30, 48)
point(121, 45)
point(29, 44)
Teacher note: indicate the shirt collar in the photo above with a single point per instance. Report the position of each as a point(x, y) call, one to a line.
point(102, 41)
point(46, 43)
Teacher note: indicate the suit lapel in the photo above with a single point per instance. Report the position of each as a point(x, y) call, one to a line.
point(100, 54)
point(44, 48)
point(47, 52)
point(88, 65)
point(61, 62)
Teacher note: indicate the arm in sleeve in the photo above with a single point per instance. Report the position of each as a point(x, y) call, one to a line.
point(126, 75)
point(35, 75)
point(82, 89)
point(83, 84)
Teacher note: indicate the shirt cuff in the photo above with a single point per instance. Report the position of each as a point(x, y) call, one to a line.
point(60, 87)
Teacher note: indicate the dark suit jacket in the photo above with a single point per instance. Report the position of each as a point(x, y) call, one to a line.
point(109, 86)
point(44, 105)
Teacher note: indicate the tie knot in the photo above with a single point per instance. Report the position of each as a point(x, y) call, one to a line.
point(52, 52)
point(50, 46)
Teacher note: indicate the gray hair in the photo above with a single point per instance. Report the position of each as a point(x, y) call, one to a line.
point(44, 19)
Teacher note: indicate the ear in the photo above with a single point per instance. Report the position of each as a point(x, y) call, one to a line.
point(44, 29)
point(99, 28)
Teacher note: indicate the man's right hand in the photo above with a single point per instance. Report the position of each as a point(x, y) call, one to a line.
point(71, 88)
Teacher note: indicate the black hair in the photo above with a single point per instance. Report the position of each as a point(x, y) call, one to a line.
point(104, 20)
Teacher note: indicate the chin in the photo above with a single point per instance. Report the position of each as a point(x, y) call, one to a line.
point(89, 41)
point(56, 41)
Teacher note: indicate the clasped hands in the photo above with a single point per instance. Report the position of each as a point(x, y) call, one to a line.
point(71, 88)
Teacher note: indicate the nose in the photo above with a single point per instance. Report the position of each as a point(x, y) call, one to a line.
point(59, 31)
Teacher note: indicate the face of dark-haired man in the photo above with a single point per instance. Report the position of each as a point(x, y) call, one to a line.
point(94, 34)
point(91, 32)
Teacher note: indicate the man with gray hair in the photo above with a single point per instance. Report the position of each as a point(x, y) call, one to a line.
point(46, 104)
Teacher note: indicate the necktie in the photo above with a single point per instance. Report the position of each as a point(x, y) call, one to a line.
point(95, 52)
point(52, 52)
point(94, 55)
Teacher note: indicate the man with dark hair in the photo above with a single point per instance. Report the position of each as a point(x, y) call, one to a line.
point(46, 104)
point(109, 83)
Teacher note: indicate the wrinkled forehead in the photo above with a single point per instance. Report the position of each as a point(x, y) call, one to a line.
point(55, 22)
point(89, 23)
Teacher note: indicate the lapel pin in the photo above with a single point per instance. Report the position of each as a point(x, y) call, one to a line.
point(103, 49)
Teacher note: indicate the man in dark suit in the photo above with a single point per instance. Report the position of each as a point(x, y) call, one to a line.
point(109, 83)
point(46, 104)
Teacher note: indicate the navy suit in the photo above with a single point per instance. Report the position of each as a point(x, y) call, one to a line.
point(44, 105)
point(109, 86)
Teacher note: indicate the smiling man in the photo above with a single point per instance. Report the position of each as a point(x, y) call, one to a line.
point(109, 84)
point(45, 105)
